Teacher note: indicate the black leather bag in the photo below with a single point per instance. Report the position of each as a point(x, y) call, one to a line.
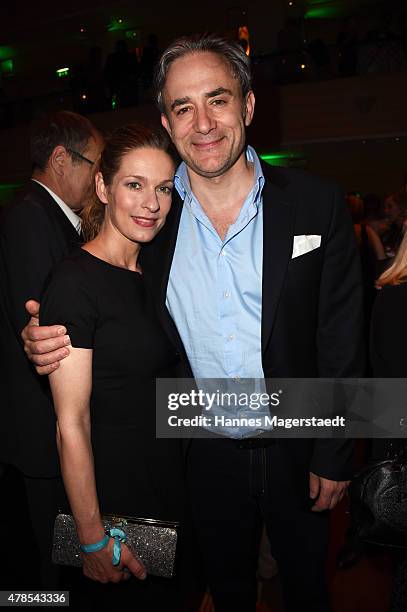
point(378, 501)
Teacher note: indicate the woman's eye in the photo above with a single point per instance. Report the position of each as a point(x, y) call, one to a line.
point(165, 190)
point(134, 185)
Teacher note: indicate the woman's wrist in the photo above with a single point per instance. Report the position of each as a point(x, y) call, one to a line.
point(89, 534)
point(96, 546)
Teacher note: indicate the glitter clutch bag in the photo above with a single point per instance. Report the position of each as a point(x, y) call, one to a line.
point(153, 542)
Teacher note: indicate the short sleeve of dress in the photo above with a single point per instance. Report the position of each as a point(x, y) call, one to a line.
point(68, 301)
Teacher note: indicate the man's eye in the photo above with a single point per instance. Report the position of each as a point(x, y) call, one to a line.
point(183, 110)
point(218, 102)
point(134, 185)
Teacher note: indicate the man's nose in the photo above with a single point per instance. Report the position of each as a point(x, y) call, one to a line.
point(204, 121)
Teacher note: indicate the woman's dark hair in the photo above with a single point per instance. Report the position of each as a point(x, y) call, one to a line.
point(229, 50)
point(117, 145)
point(63, 128)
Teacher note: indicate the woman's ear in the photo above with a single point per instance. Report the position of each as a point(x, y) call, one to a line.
point(101, 189)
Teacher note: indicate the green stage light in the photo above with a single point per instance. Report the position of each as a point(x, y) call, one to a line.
point(325, 9)
point(9, 186)
point(6, 52)
point(62, 72)
point(132, 34)
point(7, 67)
point(323, 12)
point(282, 158)
point(117, 25)
point(8, 192)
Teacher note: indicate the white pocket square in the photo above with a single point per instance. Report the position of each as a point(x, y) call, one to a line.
point(305, 244)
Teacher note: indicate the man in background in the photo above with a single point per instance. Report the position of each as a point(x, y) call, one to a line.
point(36, 232)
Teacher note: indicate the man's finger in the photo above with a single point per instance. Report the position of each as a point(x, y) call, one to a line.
point(43, 347)
point(33, 308)
point(338, 496)
point(314, 485)
point(324, 499)
point(44, 370)
point(33, 322)
point(46, 359)
point(334, 500)
point(45, 332)
point(323, 503)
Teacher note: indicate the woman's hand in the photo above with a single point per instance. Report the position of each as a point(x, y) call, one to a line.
point(98, 565)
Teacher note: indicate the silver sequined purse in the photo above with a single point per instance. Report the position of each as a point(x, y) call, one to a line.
point(152, 541)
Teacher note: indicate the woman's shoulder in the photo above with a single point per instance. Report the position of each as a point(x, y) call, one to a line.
point(72, 272)
point(75, 265)
point(394, 292)
point(391, 299)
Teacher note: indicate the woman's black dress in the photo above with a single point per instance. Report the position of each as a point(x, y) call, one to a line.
point(109, 309)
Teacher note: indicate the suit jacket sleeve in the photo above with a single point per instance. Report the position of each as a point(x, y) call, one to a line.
point(340, 329)
point(26, 252)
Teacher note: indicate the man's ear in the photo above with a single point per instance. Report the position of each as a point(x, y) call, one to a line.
point(58, 159)
point(249, 108)
point(101, 189)
point(166, 124)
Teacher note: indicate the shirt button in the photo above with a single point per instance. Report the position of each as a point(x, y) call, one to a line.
point(231, 336)
point(223, 253)
point(226, 294)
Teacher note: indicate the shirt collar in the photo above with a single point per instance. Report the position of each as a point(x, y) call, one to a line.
point(72, 216)
point(183, 185)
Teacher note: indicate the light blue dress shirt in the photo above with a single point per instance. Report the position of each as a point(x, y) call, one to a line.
point(214, 293)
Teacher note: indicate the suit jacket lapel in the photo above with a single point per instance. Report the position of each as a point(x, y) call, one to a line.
point(278, 228)
point(169, 241)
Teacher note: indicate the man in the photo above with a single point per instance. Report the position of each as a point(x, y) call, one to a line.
point(36, 232)
point(222, 271)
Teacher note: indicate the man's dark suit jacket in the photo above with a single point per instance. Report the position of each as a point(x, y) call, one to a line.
point(35, 235)
point(311, 305)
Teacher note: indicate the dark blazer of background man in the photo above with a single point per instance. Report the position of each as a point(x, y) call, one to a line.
point(36, 232)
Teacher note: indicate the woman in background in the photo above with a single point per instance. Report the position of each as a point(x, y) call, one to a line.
point(395, 210)
point(388, 343)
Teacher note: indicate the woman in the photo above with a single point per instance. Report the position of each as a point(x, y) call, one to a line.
point(387, 347)
point(104, 393)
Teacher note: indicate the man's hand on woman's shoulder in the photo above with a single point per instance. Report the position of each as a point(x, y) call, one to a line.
point(44, 346)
